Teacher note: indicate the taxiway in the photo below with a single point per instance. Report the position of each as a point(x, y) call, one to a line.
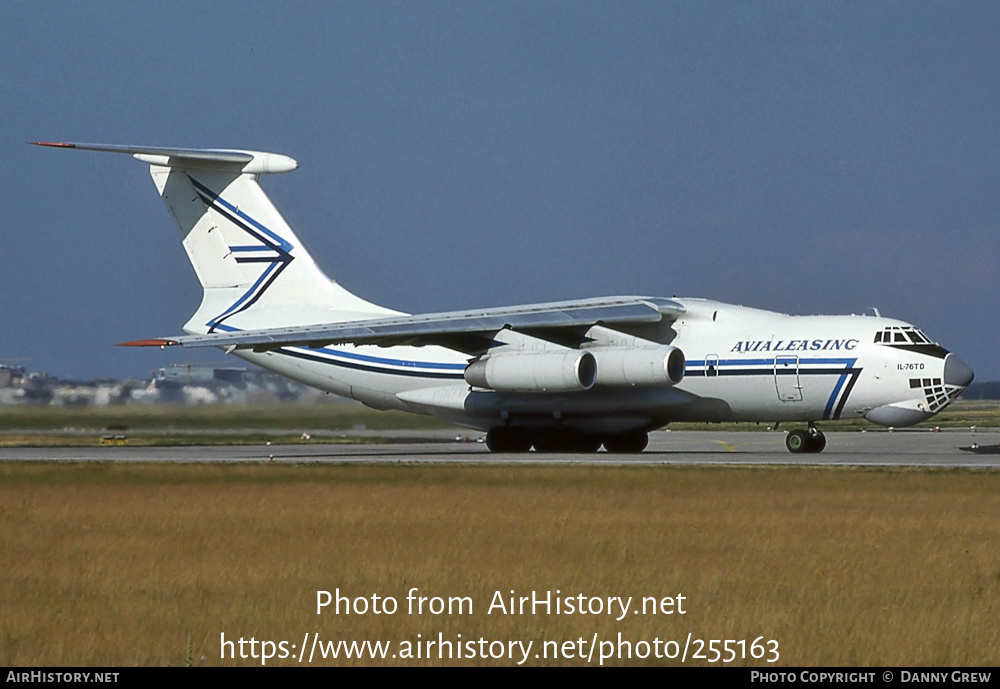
point(920, 448)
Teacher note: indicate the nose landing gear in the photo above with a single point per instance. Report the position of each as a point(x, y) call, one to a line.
point(810, 440)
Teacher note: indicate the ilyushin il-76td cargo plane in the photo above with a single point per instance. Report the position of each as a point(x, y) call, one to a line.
point(559, 376)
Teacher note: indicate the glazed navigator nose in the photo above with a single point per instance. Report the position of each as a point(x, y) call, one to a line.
point(956, 372)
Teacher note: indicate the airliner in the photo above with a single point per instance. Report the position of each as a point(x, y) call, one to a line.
point(556, 377)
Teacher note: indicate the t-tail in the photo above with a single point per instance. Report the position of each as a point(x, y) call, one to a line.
point(253, 269)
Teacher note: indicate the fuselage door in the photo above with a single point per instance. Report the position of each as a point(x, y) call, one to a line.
point(711, 365)
point(786, 378)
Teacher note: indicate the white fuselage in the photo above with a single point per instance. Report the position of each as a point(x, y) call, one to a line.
point(743, 364)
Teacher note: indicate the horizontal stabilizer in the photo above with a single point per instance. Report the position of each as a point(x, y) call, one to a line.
point(249, 162)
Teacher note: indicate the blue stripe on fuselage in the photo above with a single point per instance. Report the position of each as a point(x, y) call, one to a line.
point(366, 358)
point(734, 367)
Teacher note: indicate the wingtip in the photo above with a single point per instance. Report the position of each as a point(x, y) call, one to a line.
point(156, 342)
point(52, 144)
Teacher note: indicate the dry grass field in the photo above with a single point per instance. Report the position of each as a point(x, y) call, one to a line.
point(150, 565)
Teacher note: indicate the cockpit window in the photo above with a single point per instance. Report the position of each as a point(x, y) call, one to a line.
point(909, 338)
point(900, 335)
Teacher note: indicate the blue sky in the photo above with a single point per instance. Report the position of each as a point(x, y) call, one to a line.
point(802, 157)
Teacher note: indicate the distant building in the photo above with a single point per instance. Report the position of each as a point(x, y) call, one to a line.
point(177, 384)
point(188, 374)
point(11, 375)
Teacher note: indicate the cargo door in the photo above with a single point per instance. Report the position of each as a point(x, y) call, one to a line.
point(786, 378)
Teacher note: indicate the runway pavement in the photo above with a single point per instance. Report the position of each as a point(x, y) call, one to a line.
point(874, 448)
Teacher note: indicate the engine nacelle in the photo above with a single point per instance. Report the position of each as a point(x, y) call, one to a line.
point(571, 370)
point(627, 366)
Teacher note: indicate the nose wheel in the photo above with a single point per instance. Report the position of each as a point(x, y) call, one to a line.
point(809, 440)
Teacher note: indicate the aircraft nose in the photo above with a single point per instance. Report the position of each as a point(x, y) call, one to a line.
point(956, 372)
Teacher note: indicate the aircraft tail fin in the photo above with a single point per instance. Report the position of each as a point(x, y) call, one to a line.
point(253, 268)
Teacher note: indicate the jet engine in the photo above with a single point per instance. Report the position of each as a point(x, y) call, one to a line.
point(567, 370)
point(631, 366)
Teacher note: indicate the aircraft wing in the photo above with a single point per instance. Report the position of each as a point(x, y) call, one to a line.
point(466, 331)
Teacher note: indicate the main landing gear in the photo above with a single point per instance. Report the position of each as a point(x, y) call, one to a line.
point(809, 440)
point(512, 439)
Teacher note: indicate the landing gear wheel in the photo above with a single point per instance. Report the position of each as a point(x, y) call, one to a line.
point(587, 443)
point(797, 441)
point(627, 443)
point(817, 442)
point(565, 440)
point(508, 440)
point(547, 441)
